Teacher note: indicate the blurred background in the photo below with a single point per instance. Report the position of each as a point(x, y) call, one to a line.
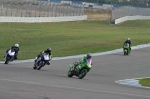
point(94, 9)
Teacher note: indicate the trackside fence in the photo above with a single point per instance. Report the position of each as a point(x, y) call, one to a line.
point(39, 9)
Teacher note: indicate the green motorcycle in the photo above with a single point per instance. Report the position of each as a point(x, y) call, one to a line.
point(80, 70)
point(126, 48)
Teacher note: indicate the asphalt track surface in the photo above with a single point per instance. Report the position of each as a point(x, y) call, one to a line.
point(20, 81)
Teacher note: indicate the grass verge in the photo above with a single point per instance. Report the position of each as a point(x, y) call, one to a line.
point(145, 82)
point(71, 38)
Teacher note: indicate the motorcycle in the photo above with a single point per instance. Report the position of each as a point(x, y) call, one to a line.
point(126, 49)
point(45, 60)
point(9, 56)
point(80, 72)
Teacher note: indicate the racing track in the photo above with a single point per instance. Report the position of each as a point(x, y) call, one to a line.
point(20, 81)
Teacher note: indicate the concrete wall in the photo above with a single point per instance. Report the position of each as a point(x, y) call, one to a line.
point(129, 11)
point(42, 19)
point(126, 18)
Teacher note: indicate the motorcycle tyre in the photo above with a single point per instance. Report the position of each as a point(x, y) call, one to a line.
point(39, 67)
point(81, 75)
point(34, 67)
point(70, 74)
point(7, 60)
point(124, 53)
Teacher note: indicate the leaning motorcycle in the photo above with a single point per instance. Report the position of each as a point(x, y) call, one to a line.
point(9, 56)
point(80, 72)
point(45, 60)
point(126, 49)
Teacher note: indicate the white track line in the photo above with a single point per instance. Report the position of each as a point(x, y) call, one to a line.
point(75, 88)
point(79, 56)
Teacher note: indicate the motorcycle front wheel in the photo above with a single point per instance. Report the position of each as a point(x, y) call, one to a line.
point(82, 73)
point(70, 74)
point(40, 67)
point(7, 60)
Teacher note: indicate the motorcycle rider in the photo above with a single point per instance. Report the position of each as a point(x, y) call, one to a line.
point(83, 62)
point(126, 46)
point(129, 42)
point(16, 49)
point(47, 51)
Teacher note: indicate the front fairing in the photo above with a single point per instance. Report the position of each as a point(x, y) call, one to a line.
point(126, 49)
point(45, 57)
point(70, 66)
point(87, 65)
point(11, 53)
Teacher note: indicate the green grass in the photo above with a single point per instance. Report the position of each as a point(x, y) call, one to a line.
point(145, 82)
point(71, 38)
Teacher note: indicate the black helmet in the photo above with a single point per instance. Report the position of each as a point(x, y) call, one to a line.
point(88, 56)
point(48, 50)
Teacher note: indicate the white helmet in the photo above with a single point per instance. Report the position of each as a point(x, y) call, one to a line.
point(128, 38)
point(17, 45)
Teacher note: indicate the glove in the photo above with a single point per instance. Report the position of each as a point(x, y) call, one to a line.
point(75, 64)
point(50, 56)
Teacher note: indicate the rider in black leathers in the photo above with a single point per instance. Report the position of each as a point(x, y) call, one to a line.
point(47, 51)
point(14, 48)
point(129, 42)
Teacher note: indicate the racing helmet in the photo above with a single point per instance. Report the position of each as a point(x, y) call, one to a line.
point(48, 50)
point(16, 45)
point(88, 56)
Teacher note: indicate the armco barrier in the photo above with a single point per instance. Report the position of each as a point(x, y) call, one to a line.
point(42, 19)
point(126, 18)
